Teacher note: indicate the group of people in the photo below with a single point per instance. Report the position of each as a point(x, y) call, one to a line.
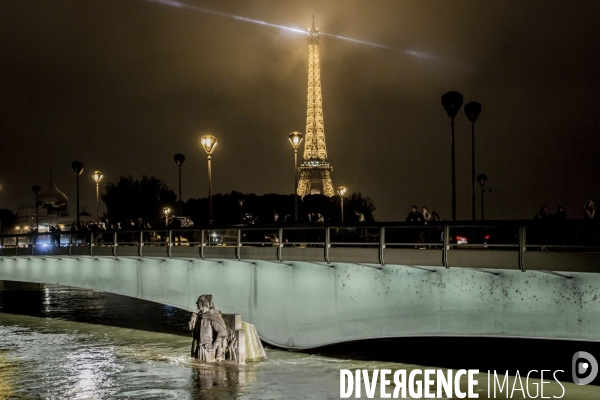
point(422, 217)
point(589, 212)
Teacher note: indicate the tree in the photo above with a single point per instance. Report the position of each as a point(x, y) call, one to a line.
point(133, 199)
point(7, 219)
point(364, 205)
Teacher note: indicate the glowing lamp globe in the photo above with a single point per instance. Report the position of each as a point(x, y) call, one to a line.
point(209, 142)
point(295, 139)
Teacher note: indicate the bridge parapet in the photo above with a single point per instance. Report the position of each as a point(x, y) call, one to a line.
point(570, 247)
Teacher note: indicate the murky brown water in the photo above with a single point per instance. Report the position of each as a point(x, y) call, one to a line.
point(63, 343)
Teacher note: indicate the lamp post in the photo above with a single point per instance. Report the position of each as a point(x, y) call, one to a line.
point(208, 143)
point(241, 202)
point(166, 211)
point(179, 159)
point(295, 140)
point(97, 177)
point(473, 109)
point(78, 169)
point(452, 101)
point(36, 190)
point(341, 191)
point(482, 178)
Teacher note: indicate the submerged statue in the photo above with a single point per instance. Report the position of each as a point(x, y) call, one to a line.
point(209, 332)
point(220, 337)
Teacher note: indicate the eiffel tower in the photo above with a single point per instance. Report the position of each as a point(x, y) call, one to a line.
point(315, 170)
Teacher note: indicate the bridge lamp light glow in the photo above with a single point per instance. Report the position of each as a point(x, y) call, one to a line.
point(341, 191)
point(97, 177)
point(295, 140)
point(209, 142)
point(166, 211)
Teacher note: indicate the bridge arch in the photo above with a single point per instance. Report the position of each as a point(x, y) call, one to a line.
point(300, 304)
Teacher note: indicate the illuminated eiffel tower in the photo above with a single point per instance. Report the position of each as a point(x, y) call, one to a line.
point(315, 170)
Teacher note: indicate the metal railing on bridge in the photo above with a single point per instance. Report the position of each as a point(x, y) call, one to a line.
point(569, 246)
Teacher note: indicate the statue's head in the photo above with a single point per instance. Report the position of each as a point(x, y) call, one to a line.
point(205, 303)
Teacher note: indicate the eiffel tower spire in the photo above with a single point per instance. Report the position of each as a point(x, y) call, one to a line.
point(315, 169)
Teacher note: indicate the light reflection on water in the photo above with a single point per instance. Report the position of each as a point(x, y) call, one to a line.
point(62, 343)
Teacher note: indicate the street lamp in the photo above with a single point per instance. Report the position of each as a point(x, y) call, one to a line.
point(78, 169)
point(179, 159)
point(36, 189)
point(241, 202)
point(341, 191)
point(482, 179)
point(473, 109)
point(451, 102)
point(295, 140)
point(208, 143)
point(166, 211)
point(97, 177)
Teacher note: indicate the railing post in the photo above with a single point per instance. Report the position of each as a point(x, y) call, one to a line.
point(2, 248)
point(280, 245)
point(446, 246)
point(327, 244)
point(522, 247)
point(170, 244)
point(91, 243)
point(115, 243)
point(17, 246)
point(381, 245)
point(202, 244)
point(238, 249)
point(70, 243)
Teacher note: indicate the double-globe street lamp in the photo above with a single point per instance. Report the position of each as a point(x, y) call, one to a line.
point(179, 159)
point(295, 140)
point(482, 178)
point(209, 142)
point(341, 191)
point(97, 177)
point(473, 109)
point(452, 101)
point(78, 169)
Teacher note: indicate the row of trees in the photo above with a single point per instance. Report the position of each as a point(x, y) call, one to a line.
point(132, 199)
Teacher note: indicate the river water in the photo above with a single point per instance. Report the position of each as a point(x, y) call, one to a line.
point(64, 343)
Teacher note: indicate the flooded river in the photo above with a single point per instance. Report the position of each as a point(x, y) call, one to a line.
point(63, 343)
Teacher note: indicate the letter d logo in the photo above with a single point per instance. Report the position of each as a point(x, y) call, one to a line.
point(583, 367)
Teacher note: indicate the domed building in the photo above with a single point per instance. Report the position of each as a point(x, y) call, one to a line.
point(52, 210)
point(53, 200)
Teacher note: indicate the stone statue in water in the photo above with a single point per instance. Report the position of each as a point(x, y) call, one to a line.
point(209, 332)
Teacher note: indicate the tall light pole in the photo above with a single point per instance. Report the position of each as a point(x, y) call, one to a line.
point(209, 142)
point(179, 159)
point(452, 101)
point(295, 140)
point(482, 178)
point(473, 109)
point(78, 169)
point(97, 177)
point(36, 189)
point(341, 191)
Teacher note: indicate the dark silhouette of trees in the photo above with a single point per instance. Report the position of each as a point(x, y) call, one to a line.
point(132, 199)
point(227, 209)
point(7, 219)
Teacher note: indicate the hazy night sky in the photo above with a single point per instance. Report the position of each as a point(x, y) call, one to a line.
point(123, 85)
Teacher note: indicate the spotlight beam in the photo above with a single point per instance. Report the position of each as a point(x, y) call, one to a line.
point(177, 4)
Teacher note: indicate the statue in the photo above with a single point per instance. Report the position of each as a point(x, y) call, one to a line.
point(209, 332)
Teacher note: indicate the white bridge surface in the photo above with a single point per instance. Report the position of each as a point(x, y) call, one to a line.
point(298, 304)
